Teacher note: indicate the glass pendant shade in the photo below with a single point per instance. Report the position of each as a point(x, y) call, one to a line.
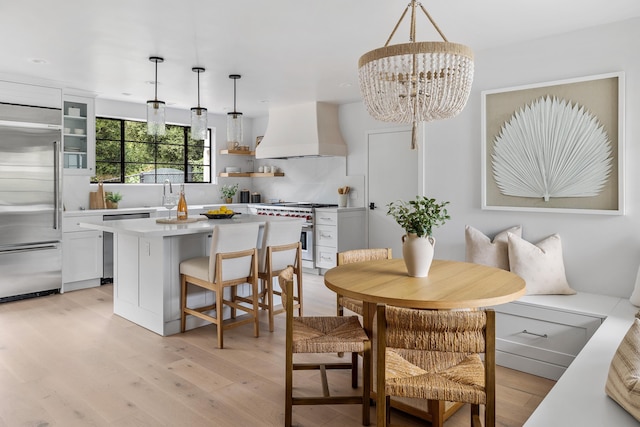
point(155, 108)
point(416, 81)
point(198, 114)
point(234, 127)
point(198, 123)
point(155, 118)
point(234, 119)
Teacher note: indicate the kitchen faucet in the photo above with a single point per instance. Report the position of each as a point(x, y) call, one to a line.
point(164, 187)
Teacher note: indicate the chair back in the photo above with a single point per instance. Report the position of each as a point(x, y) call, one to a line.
point(285, 280)
point(233, 238)
point(436, 330)
point(277, 233)
point(359, 255)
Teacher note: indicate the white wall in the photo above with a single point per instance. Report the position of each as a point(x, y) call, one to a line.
point(601, 252)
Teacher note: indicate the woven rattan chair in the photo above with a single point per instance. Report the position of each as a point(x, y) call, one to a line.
point(233, 261)
point(349, 257)
point(329, 334)
point(280, 248)
point(435, 355)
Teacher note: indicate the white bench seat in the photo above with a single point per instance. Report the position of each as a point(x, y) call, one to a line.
point(578, 398)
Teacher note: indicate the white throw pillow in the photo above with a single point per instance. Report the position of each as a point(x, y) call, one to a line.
point(635, 295)
point(481, 250)
point(540, 265)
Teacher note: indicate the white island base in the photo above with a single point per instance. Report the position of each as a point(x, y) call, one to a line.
point(146, 283)
point(146, 270)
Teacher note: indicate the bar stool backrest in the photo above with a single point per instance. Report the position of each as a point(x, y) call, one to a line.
point(277, 233)
point(232, 238)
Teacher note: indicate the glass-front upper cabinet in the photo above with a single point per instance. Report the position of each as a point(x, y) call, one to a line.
point(79, 135)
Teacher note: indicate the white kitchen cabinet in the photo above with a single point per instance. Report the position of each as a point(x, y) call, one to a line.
point(337, 230)
point(79, 135)
point(82, 254)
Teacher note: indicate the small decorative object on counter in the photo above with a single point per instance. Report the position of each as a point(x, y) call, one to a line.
point(112, 199)
point(418, 218)
point(228, 191)
point(343, 195)
point(182, 205)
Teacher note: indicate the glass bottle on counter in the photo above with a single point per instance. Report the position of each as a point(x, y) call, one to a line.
point(182, 205)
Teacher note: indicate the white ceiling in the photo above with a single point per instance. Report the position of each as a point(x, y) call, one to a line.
point(287, 51)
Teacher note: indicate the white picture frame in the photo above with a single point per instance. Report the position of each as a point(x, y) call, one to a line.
point(596, 100)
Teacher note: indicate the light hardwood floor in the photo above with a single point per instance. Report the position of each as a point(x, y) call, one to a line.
point(67, 360)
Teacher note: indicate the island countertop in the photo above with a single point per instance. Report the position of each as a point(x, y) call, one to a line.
point(148, 227)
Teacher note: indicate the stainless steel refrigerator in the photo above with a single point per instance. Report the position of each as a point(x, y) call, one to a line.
point(30, 201)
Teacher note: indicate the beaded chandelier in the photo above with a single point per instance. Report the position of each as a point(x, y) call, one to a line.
point(416, 81)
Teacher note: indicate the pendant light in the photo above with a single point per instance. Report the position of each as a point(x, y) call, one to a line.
point(234, 118)
point(198, 114)
point(155, 108)
point(416, 81)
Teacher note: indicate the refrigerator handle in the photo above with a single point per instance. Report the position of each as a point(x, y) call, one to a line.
point(56, 184)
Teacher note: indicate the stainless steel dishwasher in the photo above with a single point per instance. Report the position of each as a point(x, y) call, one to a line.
point(107, 248)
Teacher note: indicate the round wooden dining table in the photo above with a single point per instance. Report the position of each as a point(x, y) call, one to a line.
point(449, 285)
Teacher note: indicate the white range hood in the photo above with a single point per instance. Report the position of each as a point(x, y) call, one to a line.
point(302, 130)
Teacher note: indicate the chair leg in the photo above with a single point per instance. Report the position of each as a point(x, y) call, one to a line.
point(354, 369)
point(387, 407)
point(299, 282)
point(183, 302)
point(475, 416)
point(234, 292)
point(436, 409)
point(270, 303)
point(219, 311)
point(366, 383)
point(256, 307)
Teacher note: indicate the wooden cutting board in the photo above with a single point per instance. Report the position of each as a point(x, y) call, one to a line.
point(96, 198)
point(178, 221)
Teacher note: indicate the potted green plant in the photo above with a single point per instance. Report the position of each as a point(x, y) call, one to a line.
point(418, 218)
point(228, 191)
point(112, 199)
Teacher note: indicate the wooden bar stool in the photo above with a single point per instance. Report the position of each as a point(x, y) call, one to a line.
point(233, 261)
point(280, 248)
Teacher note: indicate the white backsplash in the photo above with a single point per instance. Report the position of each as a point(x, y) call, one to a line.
point(314, 179)
point(309, 179)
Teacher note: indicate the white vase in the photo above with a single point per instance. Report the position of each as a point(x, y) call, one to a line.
point(418, 254)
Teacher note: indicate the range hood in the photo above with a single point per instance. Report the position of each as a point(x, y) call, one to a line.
point(303, 130)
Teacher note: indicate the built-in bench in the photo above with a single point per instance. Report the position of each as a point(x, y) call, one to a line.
point(571, 338)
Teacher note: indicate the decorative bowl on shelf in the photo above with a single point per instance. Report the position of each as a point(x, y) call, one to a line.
point(218, 216)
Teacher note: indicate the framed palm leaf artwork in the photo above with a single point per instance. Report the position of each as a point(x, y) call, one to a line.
point(555, 147)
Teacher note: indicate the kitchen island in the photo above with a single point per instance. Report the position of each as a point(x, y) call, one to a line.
point(147, 256)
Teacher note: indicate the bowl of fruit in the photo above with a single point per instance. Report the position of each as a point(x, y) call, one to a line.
point(221, 213)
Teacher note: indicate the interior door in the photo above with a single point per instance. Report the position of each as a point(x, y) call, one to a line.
point(393, 174)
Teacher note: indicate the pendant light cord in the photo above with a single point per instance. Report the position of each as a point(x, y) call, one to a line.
point(198, 89)
point(412, 25)
point(234, 95)
point(156, 82)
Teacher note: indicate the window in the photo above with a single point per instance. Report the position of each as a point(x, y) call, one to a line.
point(126, 154)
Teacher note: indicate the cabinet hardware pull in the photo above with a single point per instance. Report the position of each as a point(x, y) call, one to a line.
point(524, 331)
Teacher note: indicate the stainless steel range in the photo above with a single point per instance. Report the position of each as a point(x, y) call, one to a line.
point(295, 210)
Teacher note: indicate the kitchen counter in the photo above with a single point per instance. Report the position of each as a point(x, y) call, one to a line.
point(150, 209)
point(146, 268)
point(148, 227)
